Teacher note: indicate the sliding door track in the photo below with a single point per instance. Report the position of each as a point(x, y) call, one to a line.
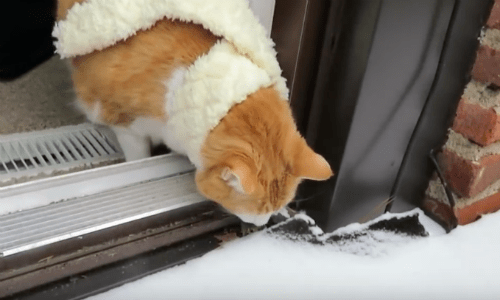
point(29, 229)
point(57, 227)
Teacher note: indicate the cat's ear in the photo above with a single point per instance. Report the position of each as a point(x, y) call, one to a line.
point(310, 165)
point(240, 176)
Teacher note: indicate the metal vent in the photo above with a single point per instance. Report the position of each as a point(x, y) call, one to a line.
point(44, 152)
point(32, 228)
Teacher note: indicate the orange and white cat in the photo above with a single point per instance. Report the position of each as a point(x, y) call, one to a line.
point(250, 160)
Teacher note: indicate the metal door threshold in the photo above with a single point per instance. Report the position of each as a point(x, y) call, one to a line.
point(60, 208)
point(37, 227)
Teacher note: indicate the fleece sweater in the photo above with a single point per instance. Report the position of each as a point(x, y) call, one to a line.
point(240, 64)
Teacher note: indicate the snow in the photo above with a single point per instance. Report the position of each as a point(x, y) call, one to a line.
point(464, 264)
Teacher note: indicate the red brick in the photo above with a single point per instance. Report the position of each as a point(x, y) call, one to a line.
point(464, 215)
point(494, 19)
point(471, 213)
point(487, 65)
point(466, 178)
point(479, 124)
point(439, 210)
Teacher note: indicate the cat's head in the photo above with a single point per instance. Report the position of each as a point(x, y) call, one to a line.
point(255, 159)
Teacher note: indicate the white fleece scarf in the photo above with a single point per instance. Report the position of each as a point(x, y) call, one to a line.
point(243, 62)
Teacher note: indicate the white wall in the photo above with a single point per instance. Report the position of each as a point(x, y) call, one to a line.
point(264, 9)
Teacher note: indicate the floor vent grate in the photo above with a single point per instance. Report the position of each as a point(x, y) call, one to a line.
point(31, 154)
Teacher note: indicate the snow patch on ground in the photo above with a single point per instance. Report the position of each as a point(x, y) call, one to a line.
point(372, 238)
point(461, 265)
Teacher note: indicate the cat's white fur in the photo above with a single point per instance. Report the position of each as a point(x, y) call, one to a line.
point(91, 111)
point(257, 220)
point(135, 146)
point(136, 139)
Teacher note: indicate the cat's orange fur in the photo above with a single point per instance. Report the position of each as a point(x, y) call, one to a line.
point(259, 141)
point(127, 78)
point(256, 143)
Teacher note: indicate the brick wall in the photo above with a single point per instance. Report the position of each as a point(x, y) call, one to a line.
point(470, 159)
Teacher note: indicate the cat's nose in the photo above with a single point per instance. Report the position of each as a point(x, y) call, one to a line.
point(257, 220)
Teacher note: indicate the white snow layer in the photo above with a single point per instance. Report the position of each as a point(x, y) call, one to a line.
point(464, 264)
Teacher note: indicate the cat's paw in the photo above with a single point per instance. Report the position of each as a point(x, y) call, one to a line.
point(134, 146)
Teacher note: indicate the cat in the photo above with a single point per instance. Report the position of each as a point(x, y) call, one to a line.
point(250, 163)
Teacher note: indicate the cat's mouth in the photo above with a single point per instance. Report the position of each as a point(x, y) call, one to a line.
point(257, 220)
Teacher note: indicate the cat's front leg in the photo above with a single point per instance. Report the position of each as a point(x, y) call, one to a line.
point(134, 146)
